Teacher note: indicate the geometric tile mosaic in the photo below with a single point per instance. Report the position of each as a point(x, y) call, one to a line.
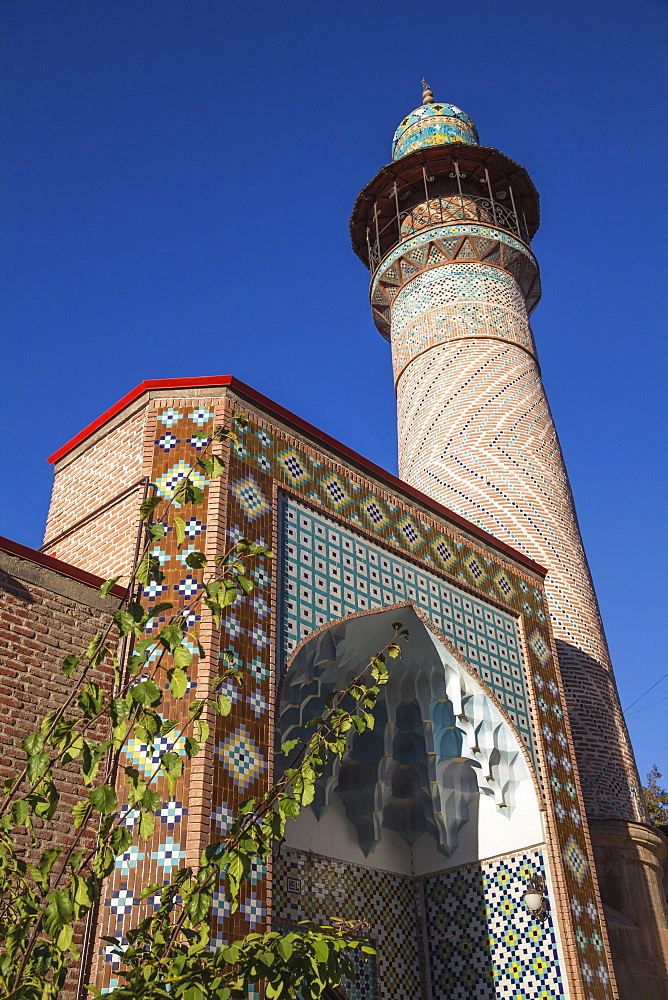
point(576, 859)
point(241, 756)
point(338, 493)
point(330, 889)
point(250, 497)
point(330, 572)
point(483, 942)
point(480, 941)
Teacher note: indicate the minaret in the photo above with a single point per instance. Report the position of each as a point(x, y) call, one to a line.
point(445, 230)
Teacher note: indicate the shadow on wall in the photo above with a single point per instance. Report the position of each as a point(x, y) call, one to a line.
point(628, 853)
point(15, 587)
point(608, 774)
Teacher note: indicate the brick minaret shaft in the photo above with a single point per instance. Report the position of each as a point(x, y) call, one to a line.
point(445, 230)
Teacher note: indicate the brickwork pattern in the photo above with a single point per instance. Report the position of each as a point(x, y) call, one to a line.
point(89, 480)
point(206, 799)
point(39, 627)
point(460, 242)
point(476, 433)
point(464, 300)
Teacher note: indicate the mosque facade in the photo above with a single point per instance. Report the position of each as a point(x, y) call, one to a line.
point(500, 759)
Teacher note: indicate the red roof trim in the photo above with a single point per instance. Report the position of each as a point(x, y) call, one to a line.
point(139, 390)
point(302, 425)
point(57, 565)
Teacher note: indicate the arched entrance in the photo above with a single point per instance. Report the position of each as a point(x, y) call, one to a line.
point(428, 828)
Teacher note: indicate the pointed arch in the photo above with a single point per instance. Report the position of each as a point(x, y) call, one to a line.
point(442, 746)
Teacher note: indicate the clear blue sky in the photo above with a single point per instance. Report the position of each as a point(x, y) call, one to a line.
point(178, 177)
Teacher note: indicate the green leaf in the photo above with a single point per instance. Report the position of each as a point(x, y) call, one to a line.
point(289, 807)
point(172, 764)
point(58, 913)
point(20, 813)
point(223, 705)
point(171, 636)
point(150, 800)
point(70, 664)
point(214, 466)
point(64, 939)
point(193, 992)
point(320, 950)
point(146, 824)
point(34, 743)
point(182, 657)
point(203, 730)
point(196, 560)
point(178, 679)
point(394, 650)
point(245, 584)
point(157, 609)
point(47, 802)
point(284, 947)
point(148, 506)
point(118, 710)
point(97, 650)
point(288, 746)
point(155, 531)
point(91, 700)
point(120, 840)
point(149, 570)
point(107, 585)
point(146, 693)
point(186, 492)
point(125, 623)
point(37, 765)
point(191, 746)
point(103, 799)
point(79, 813)
point(179, 530)
point(197, 906)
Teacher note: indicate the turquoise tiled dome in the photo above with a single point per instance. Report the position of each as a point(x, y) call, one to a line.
point(433, 125)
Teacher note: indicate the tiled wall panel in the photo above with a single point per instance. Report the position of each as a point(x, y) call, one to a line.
point(330, 572)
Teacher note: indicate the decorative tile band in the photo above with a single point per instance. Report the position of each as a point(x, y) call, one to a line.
point(455, 302)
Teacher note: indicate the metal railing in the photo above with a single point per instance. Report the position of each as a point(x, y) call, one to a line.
point(438, 208)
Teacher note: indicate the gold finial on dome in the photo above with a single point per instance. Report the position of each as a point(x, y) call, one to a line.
point(427, 94)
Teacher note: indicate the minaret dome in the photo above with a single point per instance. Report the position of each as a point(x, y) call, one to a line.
point(432, 124)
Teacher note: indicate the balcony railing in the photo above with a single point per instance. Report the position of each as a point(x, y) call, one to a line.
point(438, 209)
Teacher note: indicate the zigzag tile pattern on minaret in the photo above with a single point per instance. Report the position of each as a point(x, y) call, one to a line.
point(445, 229)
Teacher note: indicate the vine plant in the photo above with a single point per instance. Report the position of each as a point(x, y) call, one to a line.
point(45, 894)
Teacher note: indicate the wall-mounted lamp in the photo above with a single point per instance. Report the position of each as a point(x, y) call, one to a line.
point(534, 897)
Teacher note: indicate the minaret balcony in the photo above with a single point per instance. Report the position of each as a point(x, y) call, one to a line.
point(440, 186)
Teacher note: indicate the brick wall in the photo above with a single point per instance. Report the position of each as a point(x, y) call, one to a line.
point(92, 476)
point(44, 615)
